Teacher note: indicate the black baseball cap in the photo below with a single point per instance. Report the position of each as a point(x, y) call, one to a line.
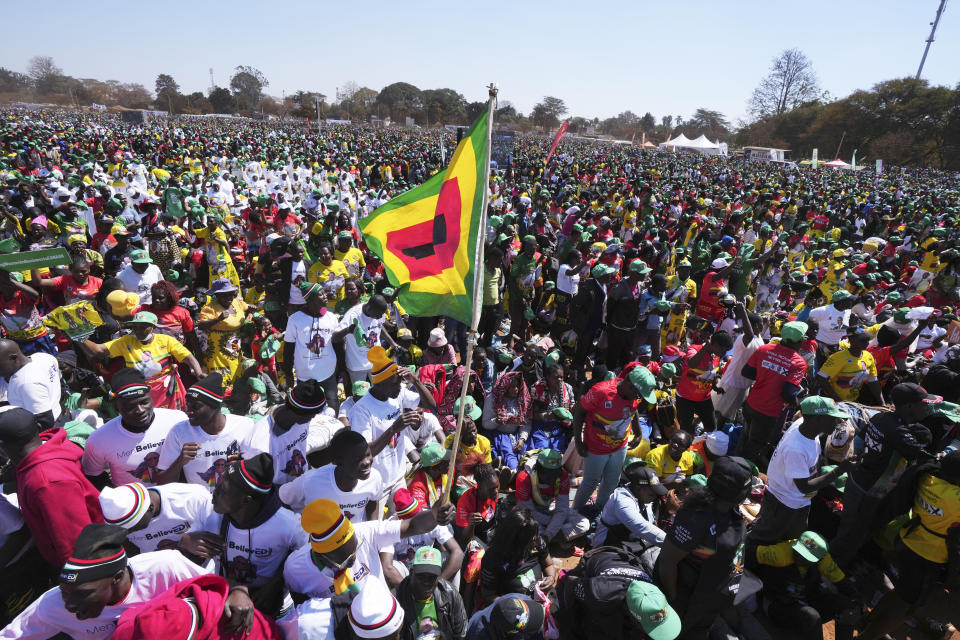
point(513, 615)
point(910, 393)
point(645, 476)
point(731, 475)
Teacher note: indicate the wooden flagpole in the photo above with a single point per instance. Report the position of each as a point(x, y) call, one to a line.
point(477, 297)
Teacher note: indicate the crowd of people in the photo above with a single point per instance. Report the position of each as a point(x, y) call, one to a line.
point(707, 397)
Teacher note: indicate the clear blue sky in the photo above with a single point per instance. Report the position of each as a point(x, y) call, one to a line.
point(602, 57)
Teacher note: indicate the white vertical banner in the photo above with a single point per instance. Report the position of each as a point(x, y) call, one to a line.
point(879, 165)
point(813, 161)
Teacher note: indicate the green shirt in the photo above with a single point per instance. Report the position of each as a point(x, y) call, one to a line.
point(491, 286)
point(426, 610)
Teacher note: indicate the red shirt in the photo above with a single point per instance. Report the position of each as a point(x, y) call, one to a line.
point(547, 491)
point(175, 321)
point(606, 427)
point(690, 386)
point(73, 291)
point(776, 365)
point(467, 504)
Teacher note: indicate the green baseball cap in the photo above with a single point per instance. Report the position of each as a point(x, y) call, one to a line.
point(602, 270)
point(562, 414)
point(810, 546)
point(793, 331)
point(433, 454)
point(426, 560)
point(644, 382)
point(696, 481)
point(360, 388)
point(640, 267)
point(256, 385)
point(140, 256)
point(550, 459)
point(648, 606)
point(144, 317)
point(668, 370)
point(821, 406)
point(470, 408)
point(629, 461)
point(839, 296)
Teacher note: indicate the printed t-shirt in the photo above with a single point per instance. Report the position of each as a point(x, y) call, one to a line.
point(36, 386)
point(151, 359)
point(302, 575)
point(288, 449)
point(356, 355)
point(608, 418)
point(254, 556)
point(236, 439)
point(332, 278)
point(832, 323)
point(183, 508)
point(405, 550)
point(313, 355)
point(175, 321)
point(73, 291)
point(371, 417)
point(468, 503)
point(130, 457)
point(848, 373)
point(321, 483)
point(660, 461)
point(153, 573)
point(352, 260)
point(690, 386)
point(20, 319)
point(937, 504)
point(776, 366)
point(469, 456)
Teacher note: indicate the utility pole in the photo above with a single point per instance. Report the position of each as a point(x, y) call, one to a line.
point(933, 31)
point(213, 85)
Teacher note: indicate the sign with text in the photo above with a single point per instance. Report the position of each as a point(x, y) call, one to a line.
point(953, 332)
point(26, 260)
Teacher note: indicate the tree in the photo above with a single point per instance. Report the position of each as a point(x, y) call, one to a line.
point(713, 124)
point(46, 75)
point(248, 84)
point(167, 91)
point(221, 100)
point(648, 123)
point(547, 112)
point(790, 83)
point(12, 81)
point(444, 106)
point(401, 99)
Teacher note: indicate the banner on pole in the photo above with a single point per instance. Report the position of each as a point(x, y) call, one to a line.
point(879, 165)
point(813, 162)
point(26, 260)
point(556, 139)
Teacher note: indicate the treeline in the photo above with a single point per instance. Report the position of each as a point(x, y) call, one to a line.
point(904, 122)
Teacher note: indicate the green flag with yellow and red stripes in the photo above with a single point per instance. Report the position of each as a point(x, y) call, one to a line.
point(427, 237)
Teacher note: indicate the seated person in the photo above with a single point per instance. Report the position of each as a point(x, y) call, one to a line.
point(672, 461)
point(543, 488)
point(632, 510)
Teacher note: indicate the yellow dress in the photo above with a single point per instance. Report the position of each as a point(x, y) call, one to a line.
point(223, 344)
point(218, 258)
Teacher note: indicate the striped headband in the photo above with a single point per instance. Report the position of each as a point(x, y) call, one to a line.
point(140, 503)
point(77, 571)
point(299, 404)
point(130, 389)
point(205, 395)
point(257, 487)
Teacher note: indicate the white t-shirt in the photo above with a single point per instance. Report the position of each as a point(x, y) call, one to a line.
point(140, 283)
point(311, 620)
point(153, 573)
point(796, 456)
point(303, 576)
point(371, 417)
point(254, 556)
point(36, 386)
point(356, 356)
point(289, 449)
point(404, 550)
point(741, 353)
point(568, 279)
point(320, 483)
point(832, 322)
point(321, 431)
point(313, 355)
point(298, 274)
point(130, 457)
point(183, 508)
point(928, 335)
point(238, 438)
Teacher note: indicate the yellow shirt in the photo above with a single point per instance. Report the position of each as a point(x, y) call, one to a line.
point(215, 251)
point(847, 373)
point(352, 259)
point(335, 275)
point(937, 504)
point(152, 359)
point(660, 461)
point(641, 450)
point(470, 456)
point(235, 314)
point(253, 297)
point(781, 555)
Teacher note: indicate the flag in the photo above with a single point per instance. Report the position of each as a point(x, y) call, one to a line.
point(427, 237)
point(358, 334)
point(556, 139)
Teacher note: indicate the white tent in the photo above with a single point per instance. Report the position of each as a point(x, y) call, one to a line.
point(837, 164)
point(701, 144)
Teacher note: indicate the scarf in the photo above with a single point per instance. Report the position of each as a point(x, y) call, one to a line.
point(503, 415)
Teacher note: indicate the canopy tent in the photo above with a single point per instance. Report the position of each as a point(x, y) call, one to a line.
point(648, 145)
point(838, 164)
point(701, 144)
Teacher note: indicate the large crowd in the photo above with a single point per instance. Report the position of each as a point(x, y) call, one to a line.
point(707, 397)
